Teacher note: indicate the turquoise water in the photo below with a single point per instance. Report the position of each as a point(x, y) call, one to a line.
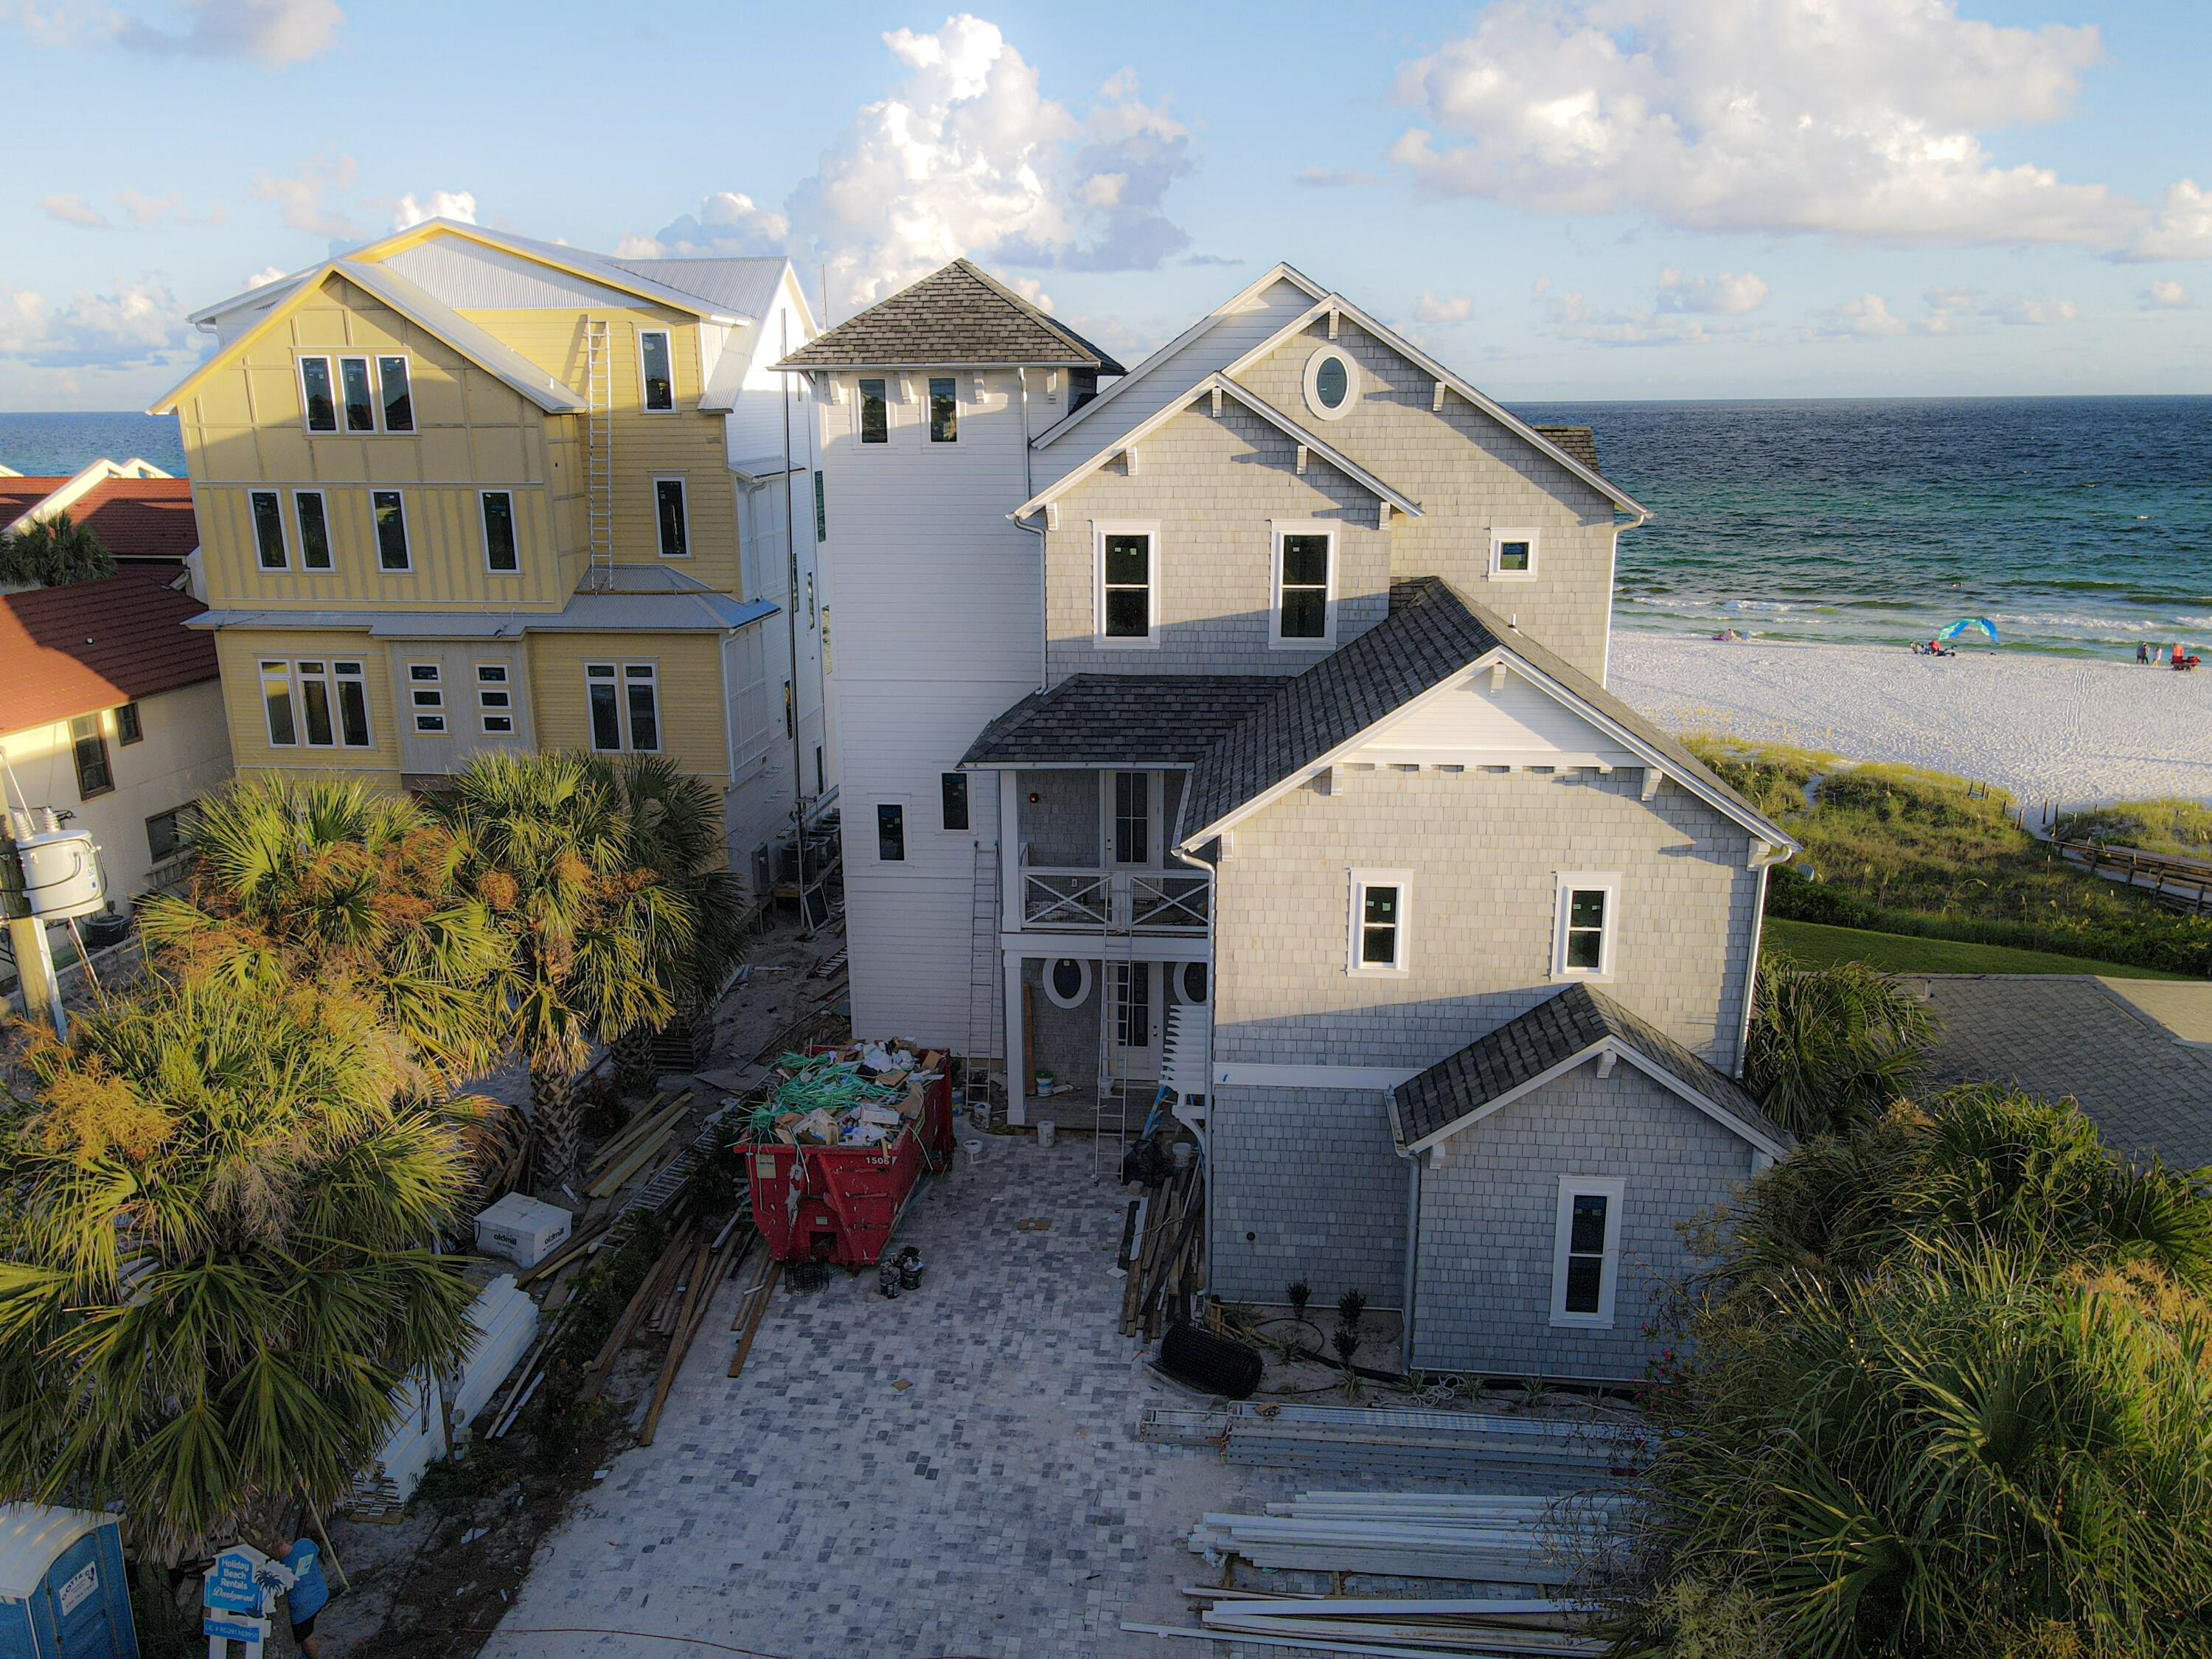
point(2079, 525)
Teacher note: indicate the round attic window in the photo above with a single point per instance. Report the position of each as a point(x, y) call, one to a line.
point(1068, 982)
point(1332, 383)
point(1193, 985)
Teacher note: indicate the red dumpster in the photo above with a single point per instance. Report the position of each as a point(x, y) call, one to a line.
point(839, 1204)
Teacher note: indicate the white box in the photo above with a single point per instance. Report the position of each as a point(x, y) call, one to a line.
point(522, 1229)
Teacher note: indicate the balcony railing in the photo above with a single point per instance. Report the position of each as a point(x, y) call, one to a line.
point(1115, 901)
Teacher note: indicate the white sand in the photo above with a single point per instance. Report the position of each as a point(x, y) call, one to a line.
point(2072, 729)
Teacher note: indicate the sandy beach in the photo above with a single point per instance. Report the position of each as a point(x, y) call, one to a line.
point(2073, 729)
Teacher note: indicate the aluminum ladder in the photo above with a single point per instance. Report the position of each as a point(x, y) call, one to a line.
point(986, 1026)
point(598, 453)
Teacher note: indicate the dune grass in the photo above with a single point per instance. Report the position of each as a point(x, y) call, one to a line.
point(1818, 946)
point(2175, 828)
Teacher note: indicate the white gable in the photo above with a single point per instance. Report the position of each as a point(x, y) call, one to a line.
point(469, 276)
point(1469, 720)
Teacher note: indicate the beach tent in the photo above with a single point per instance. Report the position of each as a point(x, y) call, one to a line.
point(1966, 625)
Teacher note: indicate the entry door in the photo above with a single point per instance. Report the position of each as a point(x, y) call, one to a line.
point(83, 1613)
point(1133, 1005)
point(1129, 819)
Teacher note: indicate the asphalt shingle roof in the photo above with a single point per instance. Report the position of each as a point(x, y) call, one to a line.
point(1579, 441)
point(957, 315)
point(1556, 1030)
point(1123, 720)
point(1431, 633)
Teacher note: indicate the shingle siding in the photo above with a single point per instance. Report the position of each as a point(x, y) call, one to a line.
point(1489, 1214)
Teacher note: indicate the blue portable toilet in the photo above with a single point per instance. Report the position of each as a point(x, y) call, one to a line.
point(62, 1590)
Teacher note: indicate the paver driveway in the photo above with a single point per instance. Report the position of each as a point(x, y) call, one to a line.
point(813, 1508)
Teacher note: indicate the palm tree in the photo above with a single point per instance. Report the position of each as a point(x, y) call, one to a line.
point(1831, 1047)
point(545, 841)
point(341, 884)
point(676, 831)
point(214, 1256)
point(53, 551)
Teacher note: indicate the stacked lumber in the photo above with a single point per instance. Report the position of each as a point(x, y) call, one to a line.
point(1423, 1444)
point(1164, 1262)
point(1484, 1625)
point(636, 1147)
point(714, 1262)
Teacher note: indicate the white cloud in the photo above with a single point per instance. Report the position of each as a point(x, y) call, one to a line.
point(265, 275)
point(273, 33)
point(2165, 294)
point(1948, 306)
point(1452, 308)
point(73, 211)
point(1867, 318)
point(1859, 121)
point(968, 156)
point(149, 210)
point(438, 205)
point(1728, 295)
point(726, 225)
point(2182, 230)
point(310, 201)
point(2032, 311)
point(138, 324)
point(1321, 179)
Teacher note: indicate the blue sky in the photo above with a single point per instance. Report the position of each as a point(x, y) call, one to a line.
point(1566, 198)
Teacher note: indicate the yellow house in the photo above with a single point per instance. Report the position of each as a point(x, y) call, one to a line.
point(459, 490)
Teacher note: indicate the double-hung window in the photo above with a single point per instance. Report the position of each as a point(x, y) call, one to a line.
point(276, 704)
point(1380, 922)
point(1587, 925)
point(94, 775)
point(494, 698)
point(1586, 1251)
point(1304, 611)
point(502, 556)
point(655, 370)
point(1513, 556)
point(269, 529)
point(1128, 590)
point(673, 517)
point(875, 413)
point(312, 513)
point(623, 700)
point(426, 695)
point(391, 530)
point(943, 411)
point(129, 729)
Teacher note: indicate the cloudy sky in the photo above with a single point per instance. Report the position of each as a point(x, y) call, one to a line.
point(1566, 198)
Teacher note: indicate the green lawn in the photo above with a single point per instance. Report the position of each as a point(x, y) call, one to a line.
point(1819, 945)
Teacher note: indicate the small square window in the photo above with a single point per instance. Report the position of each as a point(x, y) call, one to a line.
point(128, 730)
point(954, 786)
point(943, 411)
point(875, 414)
point(890, 833)
point(1513, 556)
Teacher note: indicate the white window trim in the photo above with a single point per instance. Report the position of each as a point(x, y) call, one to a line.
point(1052, 996)
point(622, 727)
point(1183, 983)
point(1100, 530)
point(514, 522)
point(375, 427)
point(406, 541)
point(1503, 534)
point(1277, 529)
point(1312, 375)
point(1361, 881)
point(625, 679)
point(284, 535)
point(906, 829)
point(330, 536)
point(329, 361)
point(341, 676)
point(891, 401)
point(669, 335)
point(272, 669)
point(927, 414)
point(505, 683)
point(1155, 803)
point(1570, 1186)
point(683, 483)
point(416, 711)
point(376, 378)
point(1572, 881)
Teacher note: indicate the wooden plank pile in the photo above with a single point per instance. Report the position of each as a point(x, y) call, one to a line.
point(1168, 1244)
point(1377, 1442)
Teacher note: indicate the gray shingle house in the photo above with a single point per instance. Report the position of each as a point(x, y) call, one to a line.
point(1235, 728)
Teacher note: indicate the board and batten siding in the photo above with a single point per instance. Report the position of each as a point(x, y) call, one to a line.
point(694, 732)
point(935, 630)
point(245, 429)
point(241, 652)
point(1214, 483)
point(1470, 474)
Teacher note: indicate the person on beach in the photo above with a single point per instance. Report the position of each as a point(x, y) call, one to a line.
point(2143, 652)
point(308, 1595)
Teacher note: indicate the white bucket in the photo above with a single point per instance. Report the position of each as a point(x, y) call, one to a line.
point(1044, 1134)
point(974, 1151)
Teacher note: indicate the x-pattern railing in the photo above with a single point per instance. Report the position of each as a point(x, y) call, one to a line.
point(1118, 900)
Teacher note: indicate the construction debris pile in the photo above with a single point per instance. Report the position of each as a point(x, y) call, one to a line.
point(1568, 1545)
point(1162, 1248)
point(1552, 1453)
point(860, 1094)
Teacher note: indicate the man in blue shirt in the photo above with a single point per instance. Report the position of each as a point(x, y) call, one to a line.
point(307, 1595)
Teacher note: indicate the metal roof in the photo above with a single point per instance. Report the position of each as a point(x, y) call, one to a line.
point(644, 599)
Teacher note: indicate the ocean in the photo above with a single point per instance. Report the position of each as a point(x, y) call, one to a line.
point(2077, 524)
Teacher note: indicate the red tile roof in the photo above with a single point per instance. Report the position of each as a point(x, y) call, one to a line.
point(87, 645)
point(140, 518)
point(19, 495)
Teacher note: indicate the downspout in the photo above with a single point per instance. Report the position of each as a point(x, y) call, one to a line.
point(1763, 861)
point(1214, 999)
point(1029, 492)
point(1612, 568)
